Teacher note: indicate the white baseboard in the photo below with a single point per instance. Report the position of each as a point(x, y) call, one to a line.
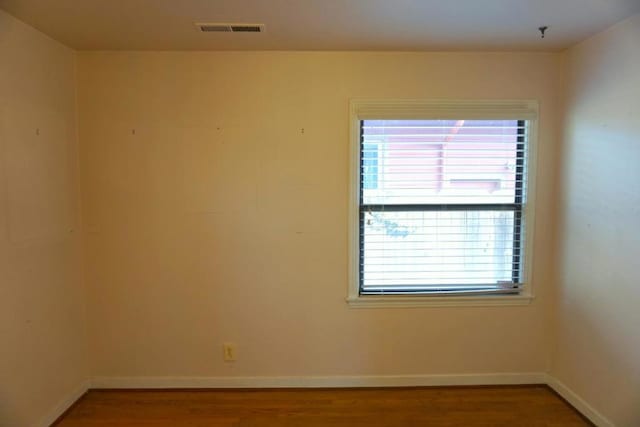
point(319, 381)
point(63, 405)
point(579, 403)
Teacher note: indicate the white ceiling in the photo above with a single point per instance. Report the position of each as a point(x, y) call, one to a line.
point(322, 24)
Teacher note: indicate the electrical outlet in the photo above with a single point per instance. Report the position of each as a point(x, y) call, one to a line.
point(229, 352)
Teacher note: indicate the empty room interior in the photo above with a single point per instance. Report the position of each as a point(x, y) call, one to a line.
point(319, 212)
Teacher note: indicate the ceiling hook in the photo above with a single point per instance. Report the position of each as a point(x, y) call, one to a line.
point(542, 30)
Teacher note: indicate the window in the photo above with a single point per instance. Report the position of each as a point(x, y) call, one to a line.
point(440, 201)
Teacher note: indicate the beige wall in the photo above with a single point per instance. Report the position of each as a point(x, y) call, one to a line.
point(219, 220)
point(597, 348)
point(42, 327)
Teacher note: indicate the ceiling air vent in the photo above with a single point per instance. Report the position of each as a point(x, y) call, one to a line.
point(230, 28)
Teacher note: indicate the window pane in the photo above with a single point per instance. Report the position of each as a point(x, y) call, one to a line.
point(442, 249)
point(370, 166)
point(441, 161)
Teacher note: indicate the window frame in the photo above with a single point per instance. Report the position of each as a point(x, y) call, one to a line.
point(416, 109)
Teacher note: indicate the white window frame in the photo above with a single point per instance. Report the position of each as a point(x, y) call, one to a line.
point(417, 109)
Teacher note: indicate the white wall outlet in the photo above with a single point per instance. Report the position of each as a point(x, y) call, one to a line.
point(229, 351)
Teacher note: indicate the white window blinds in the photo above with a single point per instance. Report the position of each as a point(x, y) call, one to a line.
point(442, 205)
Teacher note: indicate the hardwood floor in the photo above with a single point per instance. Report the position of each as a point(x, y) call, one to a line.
point(434, 406)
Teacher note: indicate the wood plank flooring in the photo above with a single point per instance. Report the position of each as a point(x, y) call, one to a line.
point(433, 406)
